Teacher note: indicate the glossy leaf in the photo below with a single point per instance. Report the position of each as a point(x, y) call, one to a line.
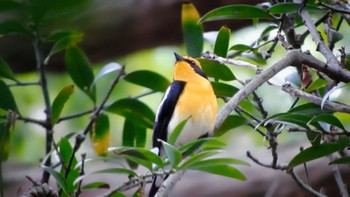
point(327, 118)
point(108, 68)
point(223, 170)
point(116, 171)
point(198, 157)
point(287, 118)
point(4, 141)
point(63, 43)
point(79, 69)
point(192, 31)
point(148, 79)
point(241, 47)
point(216, 70)
point(283, 8)
point(309, 109)
point(222, 42)
point(134, 110)
point(141, 154)
point(313, 153)
point(173, 154)
point(100, 135)
point(7, 101)
point(59, 102)
point(59, 178)
point(317, 84)
point(5, 71)
point(176, 133)
point(231, 122)
point(223, 89)
point(189, 148)
point(66, 151)
point(218, 161)
point(96, 185)
point(235, 12)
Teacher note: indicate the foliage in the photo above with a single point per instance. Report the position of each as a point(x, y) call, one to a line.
point(316, 115)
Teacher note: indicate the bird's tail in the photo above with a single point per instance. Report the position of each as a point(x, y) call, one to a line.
point(154, 187)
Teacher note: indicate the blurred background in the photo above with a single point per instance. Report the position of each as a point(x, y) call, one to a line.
point(143, 34)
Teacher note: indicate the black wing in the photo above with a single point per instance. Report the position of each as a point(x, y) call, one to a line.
point(165, 112)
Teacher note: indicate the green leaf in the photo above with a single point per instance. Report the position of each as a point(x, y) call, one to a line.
point(317, 84)
point(100, 134)
point(314, 152)
point(198, 157)
point(96, 185)
point(59, 102)
point(223, 89)
point(134, 110)
point(79, 69)
point(231, 122)
point(241, 47)
point(287, 118)
point(7, 101)
point(255, 58)
point(4, 141)
point(117, 171)
point(12, 26)
point(342, 160)
point(60, 180)
point(235, 12)
point(217, 161)
point(148, 79)
point(309, 109)
point(189, 148)
point(216, 70)
point(264, 34)
point(327, 118)
point(173, 154)
point(134, 135)
point(5, 71)
point(192, 31)
point(141, 154)
point(70, 39)
point(66, 151)
point(177, 131)
point(117, 194)
point(314, 138)
point(6, 5)
point(108, 68)
point(283, 8)
point(223, 170)
point(222, 42)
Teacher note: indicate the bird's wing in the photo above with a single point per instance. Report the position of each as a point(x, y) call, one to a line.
point(165, 112)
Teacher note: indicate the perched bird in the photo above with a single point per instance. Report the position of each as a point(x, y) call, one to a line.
point(190, 96)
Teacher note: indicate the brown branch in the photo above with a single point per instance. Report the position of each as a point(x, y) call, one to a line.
point(315, 99)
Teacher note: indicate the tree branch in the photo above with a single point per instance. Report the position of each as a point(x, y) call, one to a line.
point(305, 186)
point(315, 99)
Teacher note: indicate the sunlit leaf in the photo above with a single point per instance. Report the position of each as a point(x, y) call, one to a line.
point(134, 110)
point(235, 12)
point(100, 135)
point(192, 31)
point(148, 79)
point(314, 152)
point(7, 101)
point(173, 154)
point(177, 131)
point(80, 71)
point(108, 68)
point(5, 71)
point(59, 102)
point(317, 84)
point(222, 42)
point(216, 70)
point(231, 122)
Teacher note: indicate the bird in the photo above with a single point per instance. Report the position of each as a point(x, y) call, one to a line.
point(189, 97)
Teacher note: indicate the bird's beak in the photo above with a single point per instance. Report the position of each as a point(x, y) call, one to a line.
point(178, 57)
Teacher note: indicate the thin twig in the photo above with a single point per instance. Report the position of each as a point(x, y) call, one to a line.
point(315, 99)
point(82, 173)
point(305, 186)
point(24, 84)
point(338, 179)
point(211, 56)
point(276, 166)
point(131, 183)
